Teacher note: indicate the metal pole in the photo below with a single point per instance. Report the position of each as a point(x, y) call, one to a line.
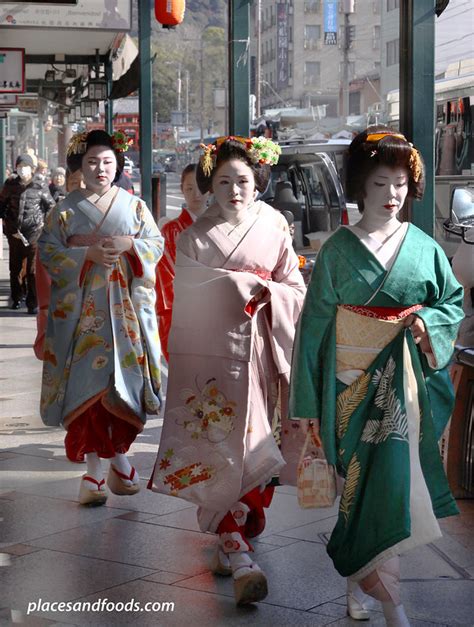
point(186, 100)
point(239, 74)
point(179, 88)
point(258, 68)
point(3, 165)
point(146, 116)
point(417, 97)
point(109, 104)
point(345, 79)
point(201, 113)
point(41, 150)
point(3, 156)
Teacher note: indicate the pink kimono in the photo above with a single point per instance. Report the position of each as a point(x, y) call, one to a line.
point(230, 359)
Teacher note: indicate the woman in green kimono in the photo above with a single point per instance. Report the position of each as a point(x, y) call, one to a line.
point(369, 368)
point(101, 355)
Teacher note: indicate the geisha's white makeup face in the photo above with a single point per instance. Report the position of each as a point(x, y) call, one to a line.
point(99, 167)
point(385, 193)
point(233, 187)
point(195, 201)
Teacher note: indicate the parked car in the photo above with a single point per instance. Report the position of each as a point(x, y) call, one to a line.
point(128, 165)
point(308, 182)
point(170, 163)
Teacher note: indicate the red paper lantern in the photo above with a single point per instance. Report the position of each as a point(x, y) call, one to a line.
point(170, 13)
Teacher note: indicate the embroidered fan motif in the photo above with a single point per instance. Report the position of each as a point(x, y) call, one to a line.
point(178, 475)
point(394, 423)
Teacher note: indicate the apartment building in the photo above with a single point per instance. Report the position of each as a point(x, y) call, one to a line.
point(318, 53)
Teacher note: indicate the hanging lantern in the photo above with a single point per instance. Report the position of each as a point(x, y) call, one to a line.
point(170, 13)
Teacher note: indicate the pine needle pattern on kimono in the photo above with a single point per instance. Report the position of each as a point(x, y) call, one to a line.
point(394, 422)
point(348, 401)
point(350, 487)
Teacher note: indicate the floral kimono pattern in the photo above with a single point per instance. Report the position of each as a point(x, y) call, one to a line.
point(101, 338)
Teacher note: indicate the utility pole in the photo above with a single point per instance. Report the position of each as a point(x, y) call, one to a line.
point(201, 113)
point(179, 88)
point(349, 7)
point(258, 93)
point(186, 99)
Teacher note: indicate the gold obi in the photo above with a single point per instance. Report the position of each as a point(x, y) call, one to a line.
point(360, 338)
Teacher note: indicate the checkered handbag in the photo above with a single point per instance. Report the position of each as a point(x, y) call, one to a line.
point(316, 480)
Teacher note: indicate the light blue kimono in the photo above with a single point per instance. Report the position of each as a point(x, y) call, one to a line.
point(102, 336)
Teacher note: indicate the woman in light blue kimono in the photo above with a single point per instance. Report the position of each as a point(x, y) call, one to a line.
point(369, 367)
point(101, 376)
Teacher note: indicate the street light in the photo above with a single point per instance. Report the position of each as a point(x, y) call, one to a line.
point(97, 90)
point(89, 108)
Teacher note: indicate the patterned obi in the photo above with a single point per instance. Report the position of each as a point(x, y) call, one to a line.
point(362, 332)
point(84, 239)
point(263, 274)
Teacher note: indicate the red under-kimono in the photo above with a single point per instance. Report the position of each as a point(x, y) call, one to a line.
point(165, 272)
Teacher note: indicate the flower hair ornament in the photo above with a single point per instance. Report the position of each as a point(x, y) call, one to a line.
point(260, 150)
point(414, 163)
point(121, 141)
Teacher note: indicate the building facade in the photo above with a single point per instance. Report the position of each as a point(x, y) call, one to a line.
point(318, 53)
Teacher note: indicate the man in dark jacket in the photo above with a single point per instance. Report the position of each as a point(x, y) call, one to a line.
point(24, 201)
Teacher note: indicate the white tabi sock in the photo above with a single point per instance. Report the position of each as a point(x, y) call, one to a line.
point(94, 470)
point(242, 564)
point(395, 615)
point(121, 463)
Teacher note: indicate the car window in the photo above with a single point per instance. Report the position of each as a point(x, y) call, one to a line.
point(324, 212)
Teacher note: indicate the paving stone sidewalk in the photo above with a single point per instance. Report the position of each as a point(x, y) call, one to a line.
point(148, 548)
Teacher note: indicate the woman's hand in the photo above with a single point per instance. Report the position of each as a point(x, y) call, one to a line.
point(119, 244)
point(102, 254)
point(420, 335)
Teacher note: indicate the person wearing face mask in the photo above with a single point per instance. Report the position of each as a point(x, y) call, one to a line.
point(101, 352)
point(195, 204)
point(237, 295)
point(370, 370)
point(24, 201)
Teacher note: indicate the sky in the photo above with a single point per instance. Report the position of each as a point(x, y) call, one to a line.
point(455, 34)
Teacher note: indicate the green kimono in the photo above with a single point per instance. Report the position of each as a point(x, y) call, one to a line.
point(364, 426)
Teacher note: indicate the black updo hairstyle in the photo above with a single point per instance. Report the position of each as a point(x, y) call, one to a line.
point(226, 151)
point(101, 138)
point(393, 151)
point(189, 169)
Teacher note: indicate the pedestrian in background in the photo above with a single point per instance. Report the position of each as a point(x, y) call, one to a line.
point(57, 187)
point(24, 201)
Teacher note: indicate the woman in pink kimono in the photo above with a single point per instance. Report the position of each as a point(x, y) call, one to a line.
point(238, 294)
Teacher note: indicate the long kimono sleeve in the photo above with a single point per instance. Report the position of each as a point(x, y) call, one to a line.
point(147, 245)
point(287, 292)
point(309, 359)
point(64, 264)
point(442, 312)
